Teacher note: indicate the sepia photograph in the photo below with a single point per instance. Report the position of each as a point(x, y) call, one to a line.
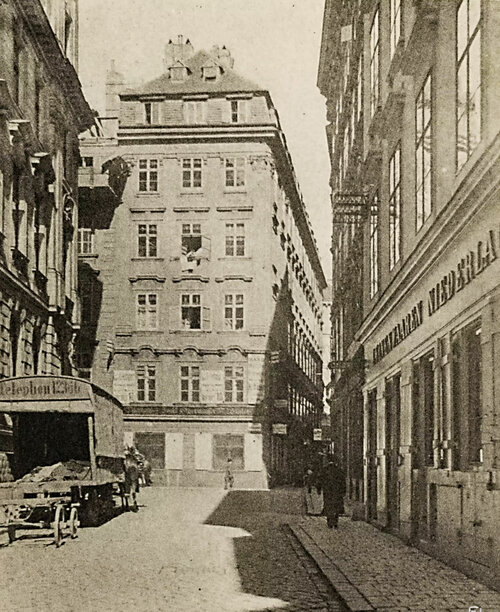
point(249, 305)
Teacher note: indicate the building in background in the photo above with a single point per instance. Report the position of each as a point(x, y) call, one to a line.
point(412, 90)
point(201, 283)
point(42, 111)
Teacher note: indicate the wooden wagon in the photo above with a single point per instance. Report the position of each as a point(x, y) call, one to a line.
point(67, 454)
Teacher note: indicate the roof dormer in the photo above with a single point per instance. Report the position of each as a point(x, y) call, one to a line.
point(178, 72)
point(211, 71)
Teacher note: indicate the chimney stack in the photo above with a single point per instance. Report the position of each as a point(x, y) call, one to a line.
point(178, 51)
point(114, 85)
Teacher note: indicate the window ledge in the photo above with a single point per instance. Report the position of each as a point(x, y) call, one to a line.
point(147, 193)
point(193, 191)
point(235, 258)
point(88, 255)
point(147, 259)
point(148, 331)
point(190, 331)
point(235, 190)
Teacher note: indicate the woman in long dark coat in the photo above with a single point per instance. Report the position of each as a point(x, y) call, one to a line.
point(333, 485)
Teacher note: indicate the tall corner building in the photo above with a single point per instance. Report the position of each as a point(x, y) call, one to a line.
point(412, 92)
point(200, 280)
point(42, 111)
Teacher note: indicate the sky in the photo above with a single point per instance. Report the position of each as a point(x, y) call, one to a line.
point(275, 43)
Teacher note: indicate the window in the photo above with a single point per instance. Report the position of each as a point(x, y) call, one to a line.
point(147, 245)
point(194, 111)
point(148, 175)
point(235, 172)
point(239, 111)
point(233, 311)
point(468, 113)
point(235, 239)
point(146, 383)
point(374, 246)
point(395, 208)
point(191, 173)
point(423, 153)
point(90, 299)
point(16, 61)
point(191, 310)
point(395, 20)
point(190, 383)
point(233, 384)
point(147, 311)
point(374, 64)
point(152, 446)
point(85, 241)
point(228, 446)
point(194, 246)
point(87, 162)
point(152, 113)
point(210, 73)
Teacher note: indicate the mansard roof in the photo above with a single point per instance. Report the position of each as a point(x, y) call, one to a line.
point(228, 81)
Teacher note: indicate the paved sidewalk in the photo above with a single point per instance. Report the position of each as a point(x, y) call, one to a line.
point(372, 570)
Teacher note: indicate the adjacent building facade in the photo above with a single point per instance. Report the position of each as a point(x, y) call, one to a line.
point(201, 284)
point(412, 89)
point(42, 111)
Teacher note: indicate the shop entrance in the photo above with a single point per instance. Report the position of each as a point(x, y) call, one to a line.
point(371, 456)
point(392, 444)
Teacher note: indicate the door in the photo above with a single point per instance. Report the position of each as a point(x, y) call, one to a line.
point(392, 444)
point(371, 456)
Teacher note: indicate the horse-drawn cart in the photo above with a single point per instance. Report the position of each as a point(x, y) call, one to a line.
point(67, 454)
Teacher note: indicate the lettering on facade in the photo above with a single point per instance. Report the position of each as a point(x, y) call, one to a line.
point(399, 332)
point(43, 388)
point(466, 271)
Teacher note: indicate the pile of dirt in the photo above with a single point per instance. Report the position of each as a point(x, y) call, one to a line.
point(63, 470)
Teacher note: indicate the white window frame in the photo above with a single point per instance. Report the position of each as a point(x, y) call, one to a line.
point(147, 240)
point(423, 153)
point(192, 173)
point(395, 207)
point(85, 241)
point(148, 175)
point(147, 391)
point(234, 311)
point(189, 383)
point(374, 247)
point(235, 172)
point(239, 111)
point(234, 384)
point(152, 112)
point(195, 111)
point(235, 243)
point(147, 311)
point(374, 63)
point(194, 300)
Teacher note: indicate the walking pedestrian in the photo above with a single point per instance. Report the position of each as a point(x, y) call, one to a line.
point(333, 486)
point(228, 476)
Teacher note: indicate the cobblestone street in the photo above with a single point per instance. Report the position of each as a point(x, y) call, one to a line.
point(186, 549)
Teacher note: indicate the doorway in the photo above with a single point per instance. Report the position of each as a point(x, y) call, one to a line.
point(392, 446)
point(371, 456)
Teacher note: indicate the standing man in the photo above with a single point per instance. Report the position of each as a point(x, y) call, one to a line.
point(228, 476)
point(333, 485)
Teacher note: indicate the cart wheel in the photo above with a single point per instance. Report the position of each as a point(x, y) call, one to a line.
point(73, 522)
point(58, 525)
point(11, 532)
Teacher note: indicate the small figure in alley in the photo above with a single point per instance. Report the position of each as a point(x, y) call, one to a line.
point(308, 479)
point(333, 485)
point(228, 476)
point(132, 474)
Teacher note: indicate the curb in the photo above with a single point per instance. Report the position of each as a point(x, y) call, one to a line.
point(350, 596)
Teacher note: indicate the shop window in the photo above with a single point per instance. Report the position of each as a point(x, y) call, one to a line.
point(228, 446)
point(152, 446)
point(423, 410)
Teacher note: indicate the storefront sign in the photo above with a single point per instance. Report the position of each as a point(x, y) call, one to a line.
point(43, 388)
point(317, 435)
point(279, 429)
point(401, 331)
point(465, 271)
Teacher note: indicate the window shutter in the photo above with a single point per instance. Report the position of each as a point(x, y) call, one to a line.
point(203, 451)
point(174, 445)
point(175, 318)
point(206, 320)
point(253, 452)
point(205, 247)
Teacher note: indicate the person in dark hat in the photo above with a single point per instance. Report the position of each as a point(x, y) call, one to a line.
point(333, 485)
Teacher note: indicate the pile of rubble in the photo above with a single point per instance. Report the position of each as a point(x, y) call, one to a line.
point(63, 470)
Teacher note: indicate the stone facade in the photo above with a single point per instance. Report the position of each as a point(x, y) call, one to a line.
point(42, 112)
point(414, 141)
point(206, 281)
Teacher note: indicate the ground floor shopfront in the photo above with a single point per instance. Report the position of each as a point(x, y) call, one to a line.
point(195, 452)
point(432, 405)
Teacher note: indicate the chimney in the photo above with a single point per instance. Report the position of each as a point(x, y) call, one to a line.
point(223, 56)
point(114, 85)
point(175, 51)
